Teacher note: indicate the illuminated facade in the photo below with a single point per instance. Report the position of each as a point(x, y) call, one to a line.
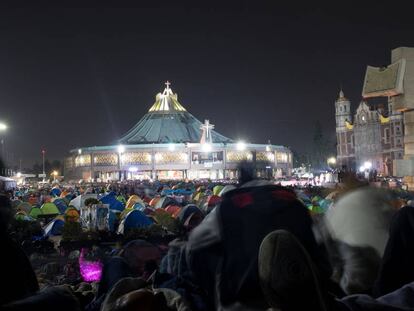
point(372, 139)
point(170, 143)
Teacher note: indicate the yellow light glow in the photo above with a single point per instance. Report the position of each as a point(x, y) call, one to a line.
point(241, 146)
point(332, 161)
point(3, 127)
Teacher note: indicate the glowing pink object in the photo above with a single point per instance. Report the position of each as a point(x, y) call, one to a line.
point(91, 271)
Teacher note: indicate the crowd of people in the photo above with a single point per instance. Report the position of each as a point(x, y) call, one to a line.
point(251, 245)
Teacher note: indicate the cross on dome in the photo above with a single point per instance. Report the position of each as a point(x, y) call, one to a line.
point(167, 90)
point(207, 127)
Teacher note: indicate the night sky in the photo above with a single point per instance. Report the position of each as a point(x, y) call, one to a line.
point(82, 76)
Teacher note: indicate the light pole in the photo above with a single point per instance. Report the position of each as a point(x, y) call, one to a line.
point(121, 149)
point(54, 173)
point(43, 161)
point(331, 162)
point(3, 128)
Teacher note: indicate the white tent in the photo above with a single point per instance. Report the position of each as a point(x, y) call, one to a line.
point(79, 201)
point(7, 183)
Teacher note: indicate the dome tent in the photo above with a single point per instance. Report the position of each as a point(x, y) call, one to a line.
point(132, 200)
point(60, 204)
point(79, 201)
point(49, 209)
point(54, 227)
point(134, 219)
point(163, 202)
point(35, 212)
point(112, 201)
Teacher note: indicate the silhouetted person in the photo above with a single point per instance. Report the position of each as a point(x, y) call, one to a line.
point(17, 276)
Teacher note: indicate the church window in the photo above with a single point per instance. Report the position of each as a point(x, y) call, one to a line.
point(386, 135)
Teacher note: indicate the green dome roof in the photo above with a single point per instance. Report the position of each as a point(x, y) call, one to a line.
point(168, 121)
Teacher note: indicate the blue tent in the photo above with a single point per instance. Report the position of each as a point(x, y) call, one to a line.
point(55, 192)
point(139, 206)
point(54, 227)
point(110, 199)
point(187, 211)
point(61, 205)
point(183, 192)
point(134, 219)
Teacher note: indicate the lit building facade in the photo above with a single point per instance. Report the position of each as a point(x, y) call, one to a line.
point(170, 143)
point(371, 139)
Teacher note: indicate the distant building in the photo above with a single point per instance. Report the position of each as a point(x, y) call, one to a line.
point(170, 143)
point(371, 138)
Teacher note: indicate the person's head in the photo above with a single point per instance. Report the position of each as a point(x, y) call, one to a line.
point(6, 213)
point(246, 172)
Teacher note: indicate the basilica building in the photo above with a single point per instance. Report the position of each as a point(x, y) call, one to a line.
point(168, 142)
point(369, 139)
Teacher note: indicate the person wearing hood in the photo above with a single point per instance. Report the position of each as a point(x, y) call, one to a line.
point(222, 251)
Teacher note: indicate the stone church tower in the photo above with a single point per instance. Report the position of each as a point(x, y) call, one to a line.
point(344, 133)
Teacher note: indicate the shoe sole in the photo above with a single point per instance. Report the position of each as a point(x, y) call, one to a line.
point(287, 275)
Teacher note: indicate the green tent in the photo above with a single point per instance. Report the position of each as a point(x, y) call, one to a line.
point(34, 212)
point(49, 209)
point(121, 199)
point(217, 189)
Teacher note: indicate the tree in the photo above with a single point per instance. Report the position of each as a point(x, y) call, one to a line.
point(321, 148)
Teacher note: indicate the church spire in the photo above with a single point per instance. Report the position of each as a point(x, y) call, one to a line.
point(341, 96)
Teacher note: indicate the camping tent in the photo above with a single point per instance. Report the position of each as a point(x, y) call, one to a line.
point(55, 192)
point(134, 219)
point(55, 227)
point(7, 184)
point(79, 201)
point(154, 201)
point(163, 202)
point(173, 210)
point(49, 209)
point(61, 205)
point(217, 189)
point(112, 201)
point(35, 212)
point(132, 200)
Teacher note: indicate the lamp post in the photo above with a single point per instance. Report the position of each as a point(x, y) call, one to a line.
point(54, 173)
point(3, 128)
point(331, 162)
point(121, 150)
point(43, 161)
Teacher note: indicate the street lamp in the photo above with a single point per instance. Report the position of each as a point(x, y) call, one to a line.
point(3, 127)
point(43, 162)
point(54, 173)
point(331, 162)
point(121, 149)
point(241, 145)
